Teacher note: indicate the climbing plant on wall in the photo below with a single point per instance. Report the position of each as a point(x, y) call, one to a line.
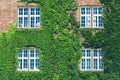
point(56, 40)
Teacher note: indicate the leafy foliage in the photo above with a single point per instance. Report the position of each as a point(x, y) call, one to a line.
point(59, 44)
point(57, 41)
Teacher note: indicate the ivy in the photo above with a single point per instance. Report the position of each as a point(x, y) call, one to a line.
point(58, 41)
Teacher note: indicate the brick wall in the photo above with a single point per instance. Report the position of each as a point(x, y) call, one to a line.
point(8, 13)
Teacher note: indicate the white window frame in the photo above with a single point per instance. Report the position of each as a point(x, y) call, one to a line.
point(87, 17)
point(35, 16)
point(90, 23)
point(29, 18)
point(28, 58)
point(91, 57)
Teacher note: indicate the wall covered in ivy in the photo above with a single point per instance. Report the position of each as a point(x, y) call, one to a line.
point(58, 41)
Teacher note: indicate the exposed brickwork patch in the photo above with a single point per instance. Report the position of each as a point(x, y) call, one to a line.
point(8, 13)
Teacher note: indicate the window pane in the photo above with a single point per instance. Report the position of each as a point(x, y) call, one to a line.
point(82, 10)
point(95, 10)
point(20, 11)
point(100, 64)
point(25, 21)
point(25, 53)
point(100, 21)
point(100, 10)
point(88, 53)
point(88, 21)
point(87, 10)
point(83, 64)
point(37, 53)
point(20, 21)
point(32, 11)
point(32, 21)
point(83, 53)
point(82, 21)
point(100, 53)
point(37, 22)
point(20, 63)
point(95, 64)
point(37, 19)
point(31, 63)
point(25, 63)
point(95, 53)
point(31, 53)
point(20, 53)
point(25, 11)
point(88, 63)
point(37, 63)
point(37, 11)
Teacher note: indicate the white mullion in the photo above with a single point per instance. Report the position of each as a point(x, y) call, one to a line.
point(35, 18)
point(23, 19)
point(85, 59)
point(86, 16)
point(29, 60)
point(34, 60)
point(22, 60)
point(92, 59)
point(98, 59)
point(97, 18)
point(30, 17)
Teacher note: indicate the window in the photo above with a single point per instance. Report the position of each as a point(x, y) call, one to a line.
point(28, 17)
point(91, 60)
point(91, 17)
point(28, 60)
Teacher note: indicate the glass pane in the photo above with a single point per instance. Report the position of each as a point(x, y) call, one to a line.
point(88, 53)
point(31, 63)
point(82, 21)
point(100, 21)
point(88, 63)
point(95, 53)
point(20, 11)
point(25, 63)
point(83, 53)
point(32, 21)
point(25, 21)
point(100, 64)
point(37, 11)
point(37, 19)
point(25, 11)
point(95, 64)
point(32, 11)
point(37, 63)
point(37, 53)
point(95, 10)
point(20, 21)
point(100, 53)
point(82, 10)
point(20, 63)
point(25, 53)
point(87, 10)
point(20, 53)
point(37, 22)
point(31, 53)
point(83, 64)
point(88, 21)
point(100, 10)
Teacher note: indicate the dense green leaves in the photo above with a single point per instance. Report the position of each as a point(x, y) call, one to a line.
point(59, 44)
